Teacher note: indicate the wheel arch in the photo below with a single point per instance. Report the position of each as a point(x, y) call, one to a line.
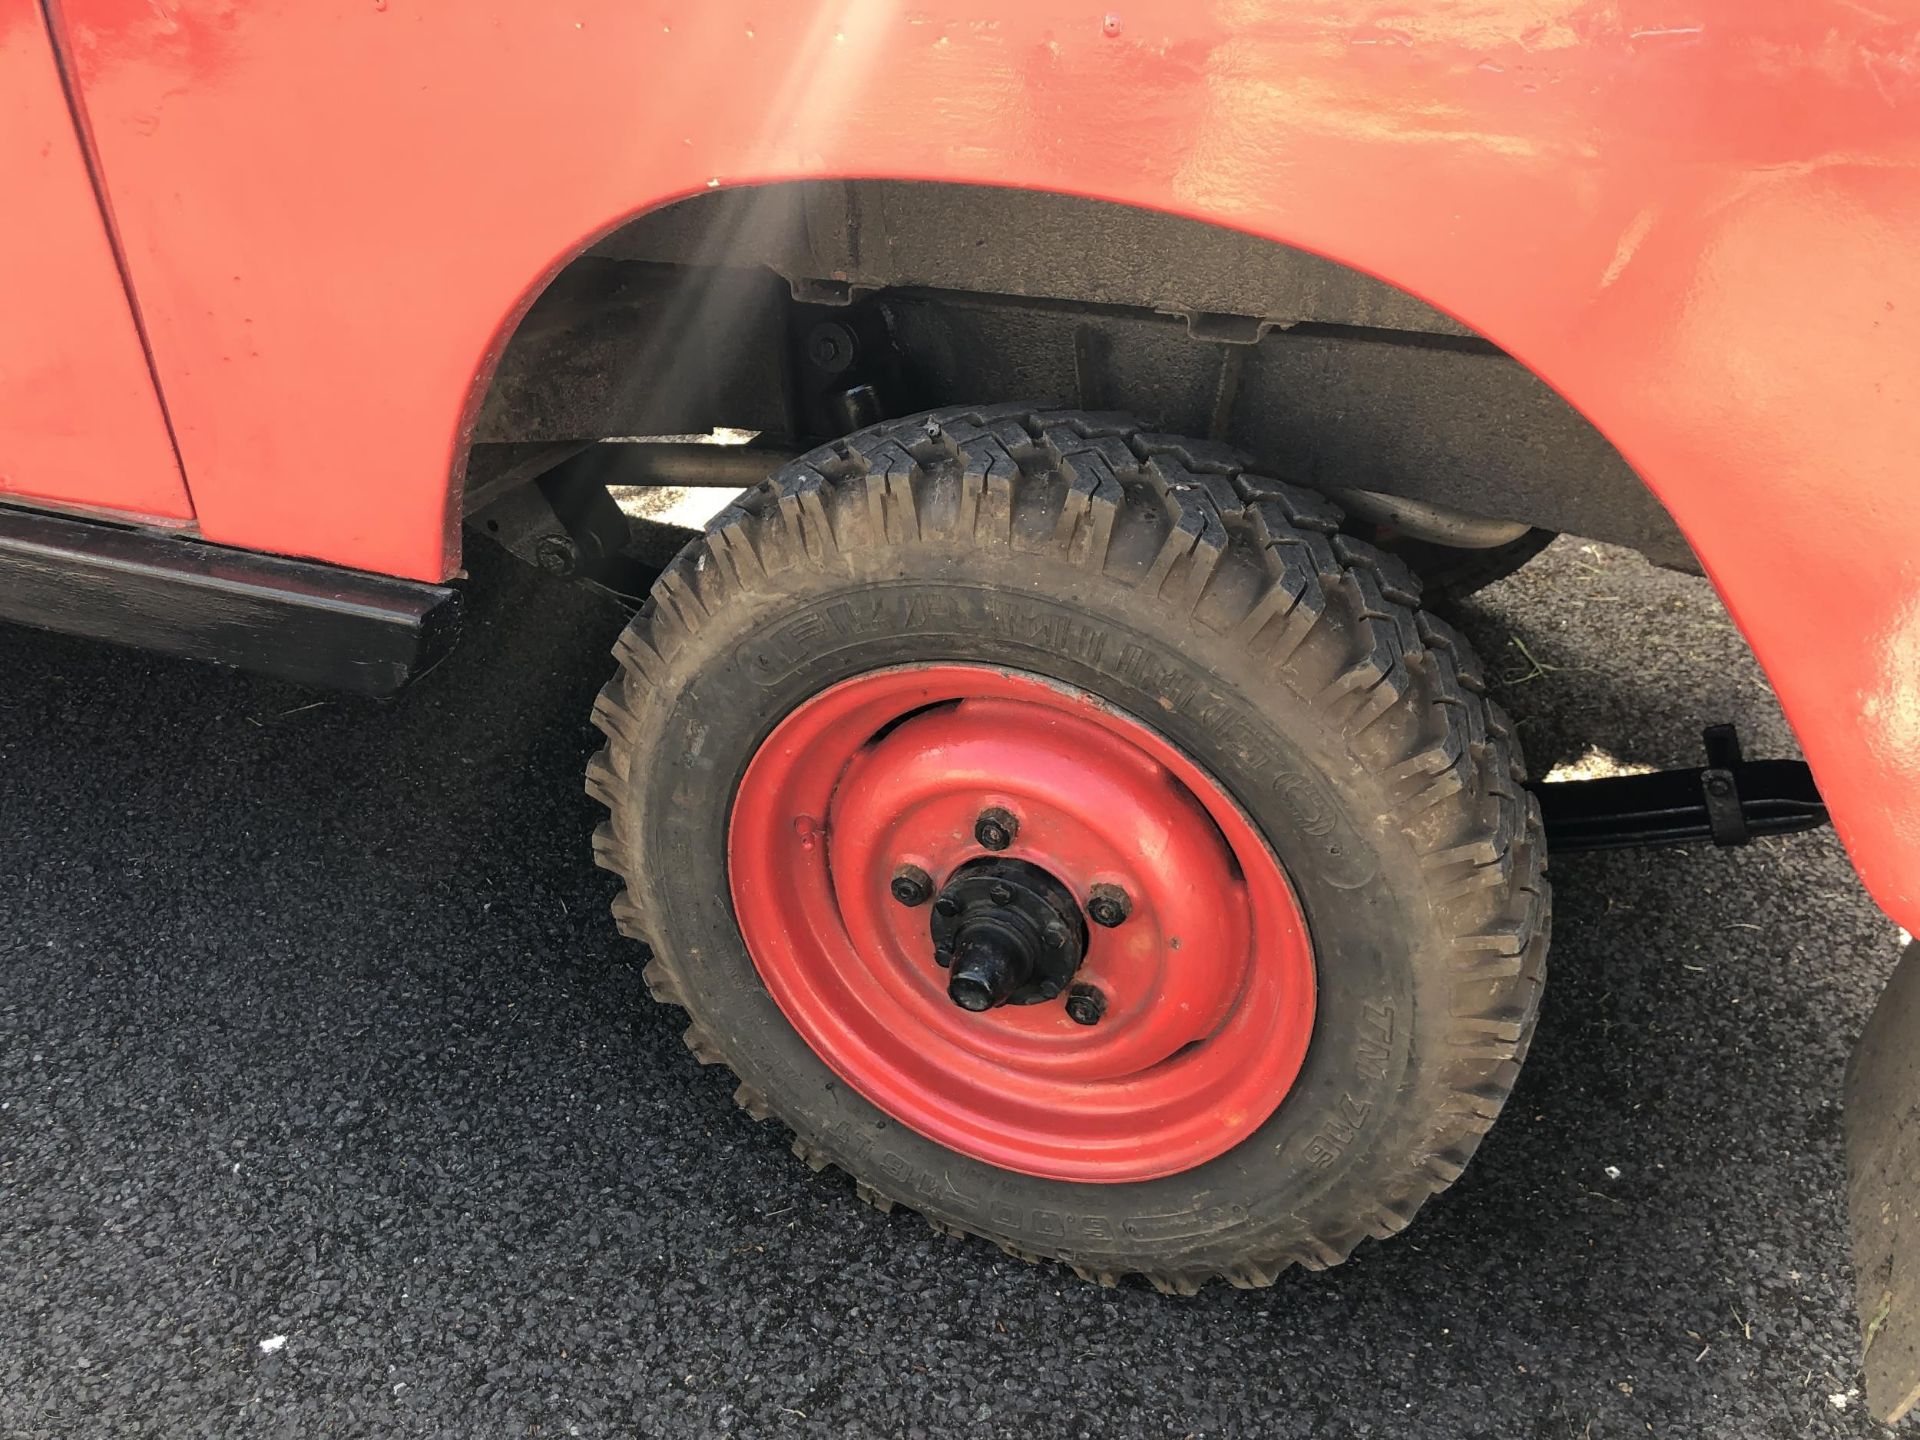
point(1337, 376)
point(1659, 429)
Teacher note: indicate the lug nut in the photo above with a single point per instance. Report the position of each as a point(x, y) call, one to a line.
point(1108, 905)
point(995, 829)
point(1086, 1004)
point(911, 885)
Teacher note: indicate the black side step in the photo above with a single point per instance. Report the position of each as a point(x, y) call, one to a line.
point(1728, 801)
point(294, 619)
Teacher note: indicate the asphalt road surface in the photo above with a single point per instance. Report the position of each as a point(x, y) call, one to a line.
point(331, 1103)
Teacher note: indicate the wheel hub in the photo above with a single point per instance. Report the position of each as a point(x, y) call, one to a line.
point(1007, 932)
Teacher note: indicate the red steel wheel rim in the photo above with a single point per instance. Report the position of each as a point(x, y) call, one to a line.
point(1209, 982)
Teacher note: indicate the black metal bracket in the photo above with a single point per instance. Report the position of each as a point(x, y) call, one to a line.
point(1728, 801)
point(566, 521)
point(562, 520)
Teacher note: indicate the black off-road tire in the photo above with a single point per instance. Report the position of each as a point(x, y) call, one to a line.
point(1225, 610)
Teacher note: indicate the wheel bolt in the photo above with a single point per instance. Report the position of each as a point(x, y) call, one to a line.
point(995, 829)
point(1108, 905)
point(1085, 1005)
point(911, 885)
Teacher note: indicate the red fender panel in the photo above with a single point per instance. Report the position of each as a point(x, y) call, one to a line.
point(1699, 221)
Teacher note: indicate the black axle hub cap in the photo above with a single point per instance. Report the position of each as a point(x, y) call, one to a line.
point(1007, 932)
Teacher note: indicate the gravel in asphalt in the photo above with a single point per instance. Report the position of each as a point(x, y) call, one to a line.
point(332, 1105)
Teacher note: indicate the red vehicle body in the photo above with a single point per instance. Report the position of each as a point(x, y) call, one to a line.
point(332, 216)
point(261, 260)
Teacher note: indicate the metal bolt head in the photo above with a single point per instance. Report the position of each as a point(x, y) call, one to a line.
point(1086, 1004)
point(995, 829)
point(831, 347)
point(555, 555)
point(1000, 894)
point(1109, 905)
point(946, 905)
point(912, 885)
